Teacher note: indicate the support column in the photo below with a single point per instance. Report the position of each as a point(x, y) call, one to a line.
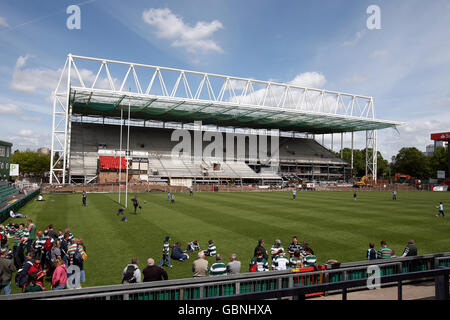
point(371, 155)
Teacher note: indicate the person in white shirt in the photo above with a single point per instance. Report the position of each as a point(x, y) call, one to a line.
point(16, 215)
point(441, 209)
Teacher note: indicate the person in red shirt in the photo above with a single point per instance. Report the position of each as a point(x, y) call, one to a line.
point(36, 268)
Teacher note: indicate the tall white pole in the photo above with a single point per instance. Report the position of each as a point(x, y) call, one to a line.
point(127, 153)
point(120, 150)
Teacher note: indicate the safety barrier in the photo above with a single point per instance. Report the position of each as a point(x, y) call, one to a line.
point(246, 283)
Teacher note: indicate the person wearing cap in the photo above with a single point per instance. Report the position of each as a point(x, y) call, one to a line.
point(261, 248)
point(276, 249)
point(166, 257)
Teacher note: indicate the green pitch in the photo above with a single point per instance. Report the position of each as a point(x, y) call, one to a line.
point(336, 226)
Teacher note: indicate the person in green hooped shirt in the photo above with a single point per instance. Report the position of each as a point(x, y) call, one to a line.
point(276, 249)
point(166, 256)
point(218, 268)
point(258, 263)
point(309, 260)
point(212, 250)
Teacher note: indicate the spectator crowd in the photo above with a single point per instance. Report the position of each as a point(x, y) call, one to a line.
point(38, 256)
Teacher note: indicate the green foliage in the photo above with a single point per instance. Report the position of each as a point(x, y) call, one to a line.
point(439, 161)
point(31, 162)
point(359, 162)
point(412, 162)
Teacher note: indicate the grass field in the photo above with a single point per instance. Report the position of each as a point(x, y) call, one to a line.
point(336, 226)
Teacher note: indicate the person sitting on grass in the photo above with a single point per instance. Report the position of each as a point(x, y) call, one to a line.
point(296, 261)
point(218, 268)
point(192, 246)
point(34, 283)
point(16, 215)
point(258, 263)
point(10, 229)
point(177, 253)
point(212, 250)
point(280, 262)
point(310, 259)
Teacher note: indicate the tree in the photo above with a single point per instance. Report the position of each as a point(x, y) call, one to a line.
point(439, 161)
point(412, 162)
point(31, 162)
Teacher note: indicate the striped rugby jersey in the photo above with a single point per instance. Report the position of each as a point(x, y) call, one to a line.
point(217, 269)
point(212, 251)
point(294, 263)
point(39, 242)
point(293, 247)
point(71, 251)
point(280, 263)
point(384, 253)
point(17, 236)
point(274, 249)
point(261, 264)
point(166, 247)
point(310, 260)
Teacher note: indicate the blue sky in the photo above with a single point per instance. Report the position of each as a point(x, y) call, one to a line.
point(405, 65)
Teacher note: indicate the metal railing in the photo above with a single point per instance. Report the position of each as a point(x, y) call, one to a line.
point(247, 283)
point(440, 276)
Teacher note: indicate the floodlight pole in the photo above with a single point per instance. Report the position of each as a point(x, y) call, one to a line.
point(120, 151)
point(127, 153)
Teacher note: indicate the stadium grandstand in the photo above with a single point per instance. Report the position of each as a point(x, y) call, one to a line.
point(129, 111)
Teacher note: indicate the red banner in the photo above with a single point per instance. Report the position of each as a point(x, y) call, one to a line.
point(440, 136)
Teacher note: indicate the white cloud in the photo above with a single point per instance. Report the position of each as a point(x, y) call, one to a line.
point(275, 94)
point(33, 80)
point(25, 133)
point(3, 22)
point(172, 27)
point(309, 80)
point(356, 38)
point(9, 109)
point(356, 79)
point(380, 53)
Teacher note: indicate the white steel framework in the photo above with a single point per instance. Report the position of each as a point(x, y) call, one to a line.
point(168, 94)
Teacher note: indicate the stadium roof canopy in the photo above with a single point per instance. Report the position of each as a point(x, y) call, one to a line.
point(100, 87)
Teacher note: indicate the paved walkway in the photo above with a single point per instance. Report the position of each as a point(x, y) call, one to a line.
point(422, 291)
